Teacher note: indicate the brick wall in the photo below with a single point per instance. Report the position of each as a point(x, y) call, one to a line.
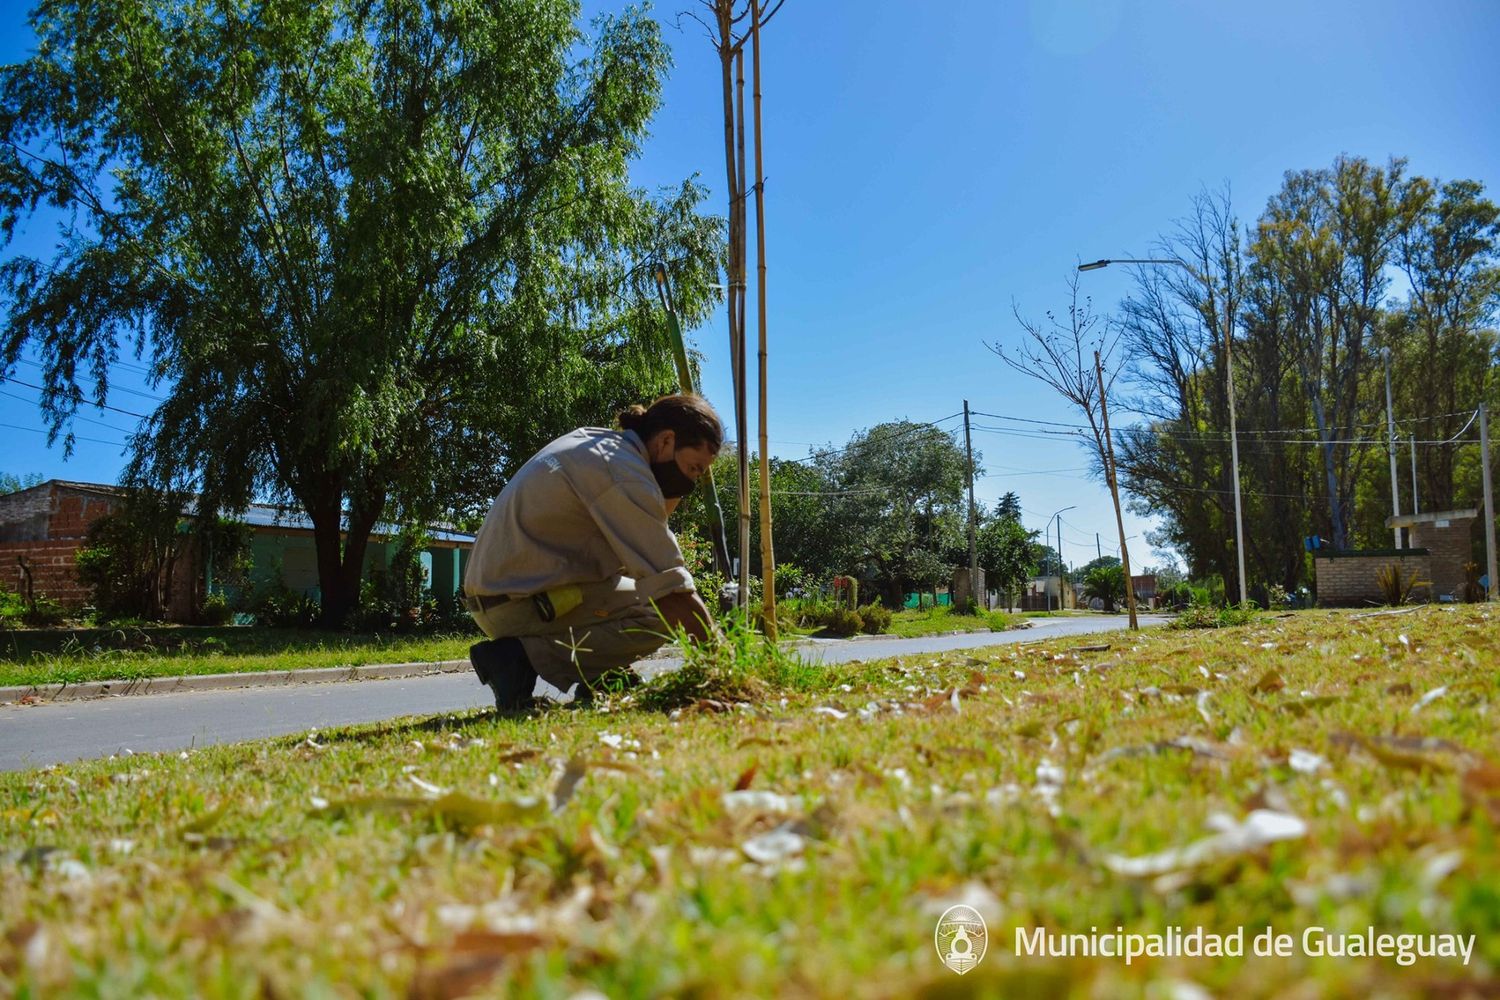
point(24, 514)
point(1450, 549)
point(1349, 580)
point(53, 573)
point(73, 512)
point(47, 525)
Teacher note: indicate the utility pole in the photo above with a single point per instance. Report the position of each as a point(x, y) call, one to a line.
point(973, 516)
point(1390, 423)
point(1489, 498)
point(1098, 549)
point(1114, 489)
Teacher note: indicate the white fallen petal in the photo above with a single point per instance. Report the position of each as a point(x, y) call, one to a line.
point(612, 740)
point(1305, 762)
point(830, 711)
point(1261, 827)
point(975, 895)
point(1429, 698)
point(777, 845)
point(1440, 866)
point(753, 801)
point(1048, 773)
point(426, 786)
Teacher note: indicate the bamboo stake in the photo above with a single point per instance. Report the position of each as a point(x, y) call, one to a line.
point(767, 548)
point(741, 400)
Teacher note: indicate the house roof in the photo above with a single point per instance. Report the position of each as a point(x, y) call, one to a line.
point(262, 515)
point(1411, 520)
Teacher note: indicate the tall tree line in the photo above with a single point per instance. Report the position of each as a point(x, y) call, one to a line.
point(1343, 262)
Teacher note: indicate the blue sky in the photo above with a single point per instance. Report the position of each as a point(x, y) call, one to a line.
point(930, 164)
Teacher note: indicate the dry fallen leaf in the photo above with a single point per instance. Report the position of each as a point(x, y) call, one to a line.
point(1391, 756)
point(1269, 681)
point(748, 775)
point(475, 957)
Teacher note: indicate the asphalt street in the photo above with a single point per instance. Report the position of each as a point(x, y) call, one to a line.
point(53, 732)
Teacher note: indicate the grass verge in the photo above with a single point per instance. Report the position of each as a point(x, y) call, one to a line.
point(772, 829)
point(73, 657)
point(910, 624)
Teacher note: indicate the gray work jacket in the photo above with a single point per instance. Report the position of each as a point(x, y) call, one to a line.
point(585, 509)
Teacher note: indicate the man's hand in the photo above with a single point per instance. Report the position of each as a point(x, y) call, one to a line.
point(688, 611)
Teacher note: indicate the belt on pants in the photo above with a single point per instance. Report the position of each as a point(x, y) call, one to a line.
point(549, 604)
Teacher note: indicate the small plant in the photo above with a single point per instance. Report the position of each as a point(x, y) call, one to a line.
point(216, 610)
point(874, 618)
point(1396, 584)
point(844, 621)
point(1473, 592)
point(1204, 615)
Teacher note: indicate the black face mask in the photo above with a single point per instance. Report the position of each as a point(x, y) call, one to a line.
point(673, 481)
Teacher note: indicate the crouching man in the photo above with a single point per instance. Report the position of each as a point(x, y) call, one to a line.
point(575, 574)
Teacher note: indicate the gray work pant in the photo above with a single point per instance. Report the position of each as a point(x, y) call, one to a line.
point(607, 631)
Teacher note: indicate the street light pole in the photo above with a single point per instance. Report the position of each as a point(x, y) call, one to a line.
point(1047, 533)
point(1234, 439)
point(1390, 423)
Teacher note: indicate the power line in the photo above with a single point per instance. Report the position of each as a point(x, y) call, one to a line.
point(96, 423)
point(887, 439)
point(102, 406)
point(117, 388)
point(1244, 432)
point(33, 430)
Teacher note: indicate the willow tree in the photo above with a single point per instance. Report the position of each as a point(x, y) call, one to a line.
point(376, 251)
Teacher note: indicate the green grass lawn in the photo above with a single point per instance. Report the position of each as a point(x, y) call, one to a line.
point(942, 619)
point(74, 656)
point(752, 826)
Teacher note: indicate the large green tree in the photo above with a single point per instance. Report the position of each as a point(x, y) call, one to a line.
point(376, 251)
point(900, 504)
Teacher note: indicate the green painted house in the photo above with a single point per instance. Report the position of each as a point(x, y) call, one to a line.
point(282, 541)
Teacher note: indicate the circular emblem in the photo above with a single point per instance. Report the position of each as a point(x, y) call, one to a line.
point(961, 938)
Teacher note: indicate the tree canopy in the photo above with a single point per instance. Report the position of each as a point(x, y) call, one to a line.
point(1343, 263)
point(375, 252)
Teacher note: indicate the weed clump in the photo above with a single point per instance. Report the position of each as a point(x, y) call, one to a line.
point(1208, 616)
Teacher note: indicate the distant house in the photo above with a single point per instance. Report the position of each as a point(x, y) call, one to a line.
point(1044, 593)
point(43, 527)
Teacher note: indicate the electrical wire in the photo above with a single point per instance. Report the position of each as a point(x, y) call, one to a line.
point(33, 430)
point(102, 406)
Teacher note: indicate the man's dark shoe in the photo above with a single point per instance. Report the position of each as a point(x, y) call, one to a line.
point(502, 664)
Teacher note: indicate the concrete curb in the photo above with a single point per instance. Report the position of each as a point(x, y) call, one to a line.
point(224, 682)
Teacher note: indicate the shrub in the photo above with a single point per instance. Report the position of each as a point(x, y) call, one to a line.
point(876, 619)
point(1396, 585)
point(844, 621)
point(279, 605)
point(17, 611)
point(216, 610)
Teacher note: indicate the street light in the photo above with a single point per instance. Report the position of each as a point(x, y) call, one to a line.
point(1059, 558)
point(1234, 440)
